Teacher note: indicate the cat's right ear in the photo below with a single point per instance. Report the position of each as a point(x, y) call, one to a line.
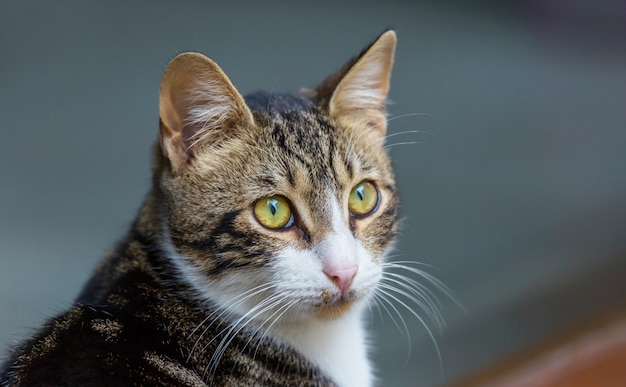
point(198, 105)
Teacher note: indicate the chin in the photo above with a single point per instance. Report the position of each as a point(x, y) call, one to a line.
point(334, 310)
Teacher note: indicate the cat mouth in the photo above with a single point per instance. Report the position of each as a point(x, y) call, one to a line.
point(333, 310)
point(334, 305)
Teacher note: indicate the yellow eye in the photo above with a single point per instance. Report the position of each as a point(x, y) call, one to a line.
point(273, 212)
point(363, 199)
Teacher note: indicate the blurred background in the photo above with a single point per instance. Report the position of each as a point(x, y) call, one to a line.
point(515, 190)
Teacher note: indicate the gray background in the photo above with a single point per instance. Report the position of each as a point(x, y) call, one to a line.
point(515, 192)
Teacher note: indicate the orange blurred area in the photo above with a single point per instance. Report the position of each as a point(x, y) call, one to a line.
point(590, 356)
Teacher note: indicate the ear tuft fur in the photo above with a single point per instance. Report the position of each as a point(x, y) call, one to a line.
point(197, 105)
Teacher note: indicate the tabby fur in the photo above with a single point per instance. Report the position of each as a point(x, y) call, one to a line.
point(165, 306)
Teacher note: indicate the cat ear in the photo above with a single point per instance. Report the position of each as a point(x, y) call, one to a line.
point(197, 105)
point(357, 93)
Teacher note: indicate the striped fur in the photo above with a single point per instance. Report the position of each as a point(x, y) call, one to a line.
point(199, 292)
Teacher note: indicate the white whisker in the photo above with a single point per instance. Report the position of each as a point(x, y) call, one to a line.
point(238, 300)
point(284, 308)
point(236, 327)
point(421, 320)
point(416, 288)
point(404, 290)
point(401, 143)
point(382, 299)
point(409, 115)
point(423, 302)
point(403, 265)
point(375, 304)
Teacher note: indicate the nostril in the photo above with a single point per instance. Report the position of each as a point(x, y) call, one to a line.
point(342, 278)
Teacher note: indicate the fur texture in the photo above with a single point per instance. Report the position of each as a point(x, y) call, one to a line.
point(200, 291)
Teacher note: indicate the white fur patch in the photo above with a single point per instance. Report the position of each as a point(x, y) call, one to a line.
point(281, 300)
point(337, 346)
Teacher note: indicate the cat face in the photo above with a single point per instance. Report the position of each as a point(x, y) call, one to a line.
point(278, 206)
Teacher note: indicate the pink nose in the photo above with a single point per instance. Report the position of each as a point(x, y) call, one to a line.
point(341, 277)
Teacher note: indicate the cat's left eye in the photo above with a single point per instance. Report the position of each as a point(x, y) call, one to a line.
point(273, 212)
point(363, 199)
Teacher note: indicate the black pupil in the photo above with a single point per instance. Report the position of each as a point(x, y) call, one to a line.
point(359, 192)
point(273, 204)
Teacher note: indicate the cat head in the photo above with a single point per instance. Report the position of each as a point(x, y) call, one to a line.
point(277, 203)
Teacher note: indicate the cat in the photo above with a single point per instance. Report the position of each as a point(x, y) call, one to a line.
point(257, 249)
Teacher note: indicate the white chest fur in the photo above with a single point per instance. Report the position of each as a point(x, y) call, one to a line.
point(337, 346)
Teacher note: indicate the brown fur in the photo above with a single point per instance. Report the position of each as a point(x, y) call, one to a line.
point(137, 320)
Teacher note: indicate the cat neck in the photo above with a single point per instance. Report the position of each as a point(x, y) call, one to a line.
point(337, 346)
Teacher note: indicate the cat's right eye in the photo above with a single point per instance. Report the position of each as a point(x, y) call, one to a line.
point(273, 212)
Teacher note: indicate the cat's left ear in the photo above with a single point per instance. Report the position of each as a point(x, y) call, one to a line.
point(356, 94)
